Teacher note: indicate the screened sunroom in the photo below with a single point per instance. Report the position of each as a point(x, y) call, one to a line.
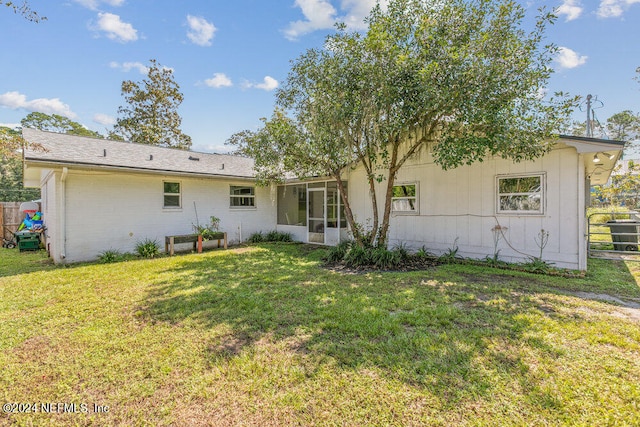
point(312, 212)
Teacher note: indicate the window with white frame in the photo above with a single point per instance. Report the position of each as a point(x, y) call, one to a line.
point(405, 198)
point(172, 195)
point(520, 194)
point(242, 197)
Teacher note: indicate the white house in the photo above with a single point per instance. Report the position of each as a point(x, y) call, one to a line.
point(100, 194)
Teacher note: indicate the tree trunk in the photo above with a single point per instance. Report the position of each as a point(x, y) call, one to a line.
point(374, 205)
point(357, 235)
point(391, 178)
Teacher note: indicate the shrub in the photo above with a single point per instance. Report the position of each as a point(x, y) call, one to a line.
point(537, 265)
point(256, 237)
point(338, 252)
point(451, 254)
point(271, 236)
point(276, 236)
point(385, 259)
point(148, 248)
point(111, 255)
point(357, 256)
point(401, 252)
point(423, 253)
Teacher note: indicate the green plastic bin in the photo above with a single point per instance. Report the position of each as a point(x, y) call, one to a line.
point(28, 241)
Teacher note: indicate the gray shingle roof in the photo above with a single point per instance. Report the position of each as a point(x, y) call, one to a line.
point(94, 152)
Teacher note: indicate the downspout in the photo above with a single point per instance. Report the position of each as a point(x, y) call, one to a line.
point(63, 211)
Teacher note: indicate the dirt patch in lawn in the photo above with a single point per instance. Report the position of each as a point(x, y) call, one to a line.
point(34, 349)
point(626, 308)
point(607, 298)
point(230, 345)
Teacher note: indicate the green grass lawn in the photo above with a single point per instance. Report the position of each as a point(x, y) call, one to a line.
point(265, 336)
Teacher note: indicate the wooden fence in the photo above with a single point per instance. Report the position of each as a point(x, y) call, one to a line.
point(10, 218)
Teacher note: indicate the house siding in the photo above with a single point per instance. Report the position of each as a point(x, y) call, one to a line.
point(50, 213)
point(458, 208)
point(106, 210)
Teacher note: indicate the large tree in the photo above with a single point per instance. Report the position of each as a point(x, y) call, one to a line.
point(623, 126)
point(57, 123)
point(11, 172)
point(624, 187)
point(463, 77)
point(151, 114)
point(12, 144)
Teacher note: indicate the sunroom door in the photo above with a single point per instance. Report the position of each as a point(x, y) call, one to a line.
point(317, 218)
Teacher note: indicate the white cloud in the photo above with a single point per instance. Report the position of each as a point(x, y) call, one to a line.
point(568, 58)
point(104, 119)
point(16, 100)
point(614, 8)
point(128, 66)
point(211, 148)
point(218, 80)
point(357, 11)
point(322, 15)
point(93, 4)
point(268, 84)
point(571, 8)
point(13, 126)
point(319, 14)
point(200, 30)
point(115, 28)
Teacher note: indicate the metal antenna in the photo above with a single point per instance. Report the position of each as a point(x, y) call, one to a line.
point(591, 104)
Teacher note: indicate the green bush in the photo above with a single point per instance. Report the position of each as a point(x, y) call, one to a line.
point(424, 253)
point(271, 236)
point(256, 237)
point(385, 259)
point(111, 255)
point(276, 236)
point(451, 255)
point(402, 252)
point(358, 256)
point(536, 265)
point(338, 252)
point(148, 248)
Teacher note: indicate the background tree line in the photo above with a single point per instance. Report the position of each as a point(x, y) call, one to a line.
point(149, 116)
point(624, 186)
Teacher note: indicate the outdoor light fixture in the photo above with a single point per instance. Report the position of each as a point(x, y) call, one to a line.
point(610, 156)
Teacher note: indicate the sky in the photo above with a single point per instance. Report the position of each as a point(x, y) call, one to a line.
point(229, 57)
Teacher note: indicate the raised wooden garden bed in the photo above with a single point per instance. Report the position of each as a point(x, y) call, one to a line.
point(170, 241)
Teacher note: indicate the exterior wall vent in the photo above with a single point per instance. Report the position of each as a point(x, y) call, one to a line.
point(194, 158)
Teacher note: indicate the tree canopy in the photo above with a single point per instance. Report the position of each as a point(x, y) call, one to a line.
point(11, 173)
point(57, 123)
point(151, 113)
point(623, 126)
point(25, 10)
point(462, 77)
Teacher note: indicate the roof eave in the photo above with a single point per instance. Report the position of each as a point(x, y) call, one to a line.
point(51, 164)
